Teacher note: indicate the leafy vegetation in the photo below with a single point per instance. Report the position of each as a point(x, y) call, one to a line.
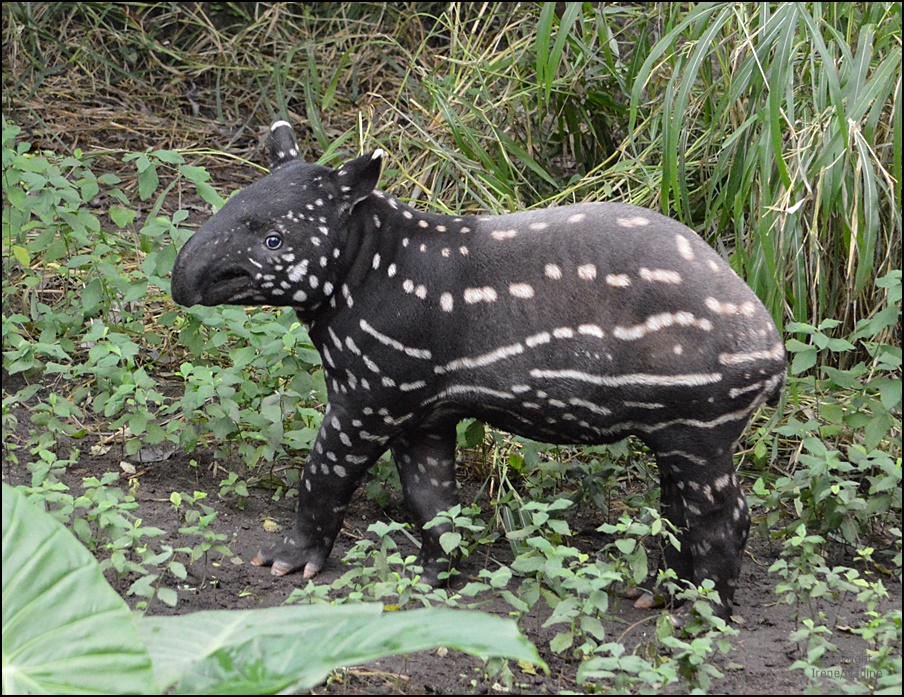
point(774, 130)
point(56, 642)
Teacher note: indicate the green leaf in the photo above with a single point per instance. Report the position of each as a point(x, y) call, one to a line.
point(265, 651)
point(639, 566)
point(21, 254)
point(561, 642)
point(65, 630)
point(148, 181)
point(210, 195)
point(123, 217)
point(803, 361)
point(193, 173)
point(889, 391)
point(169, 156)
point(168, 596)
point(876, 430)
point(626, 546)
point(473, 434)
point(450, 541)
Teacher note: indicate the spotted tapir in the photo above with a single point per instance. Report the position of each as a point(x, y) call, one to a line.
point(579, 324)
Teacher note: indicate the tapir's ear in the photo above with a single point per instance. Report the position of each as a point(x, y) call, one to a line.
point(281, 145)
point(358, 178)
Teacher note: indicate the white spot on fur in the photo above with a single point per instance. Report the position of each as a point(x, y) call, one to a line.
point(476, 295)
point(503, 234)
point(479, 361)
point(297, 272)
point(775, 353)
point(659, 321)
point(591, 330)
point(634, 221)
point(595, 408)
point(748, 308)
point(618, 280)
point(660, 275)
point(393, 343)
point(684, 247)
point(537, 339)
point(553, 271)
point(587, 272)
point(409, 386)
point(521, 290)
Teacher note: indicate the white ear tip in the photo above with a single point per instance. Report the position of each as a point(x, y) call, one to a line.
point(278, 124)
point(378, 154)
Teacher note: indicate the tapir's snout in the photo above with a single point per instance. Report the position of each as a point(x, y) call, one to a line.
point(188, 274)
point(206, 275)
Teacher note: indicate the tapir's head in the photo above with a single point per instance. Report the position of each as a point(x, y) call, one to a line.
point(277, 241)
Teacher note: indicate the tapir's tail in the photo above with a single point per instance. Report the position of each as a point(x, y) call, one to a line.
point(776, 394)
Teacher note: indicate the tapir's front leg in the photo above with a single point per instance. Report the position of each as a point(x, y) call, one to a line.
point(426, 462)
point(341, 456)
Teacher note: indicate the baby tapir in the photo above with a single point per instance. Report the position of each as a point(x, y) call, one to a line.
point(579, 324)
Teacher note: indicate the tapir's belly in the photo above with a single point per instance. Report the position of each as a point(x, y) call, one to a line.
point(578, 399)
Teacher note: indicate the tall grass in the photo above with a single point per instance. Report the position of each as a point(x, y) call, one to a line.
point(773, 129)
point(780, 126)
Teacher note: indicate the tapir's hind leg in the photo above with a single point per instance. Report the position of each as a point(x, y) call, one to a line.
point(426, 462)
point(680, 561)
point(701, 495)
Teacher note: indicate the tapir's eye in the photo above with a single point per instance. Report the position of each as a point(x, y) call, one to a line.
point(273, 241)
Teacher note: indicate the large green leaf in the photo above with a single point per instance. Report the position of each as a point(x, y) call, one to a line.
point(65, 630)
point(289, 649)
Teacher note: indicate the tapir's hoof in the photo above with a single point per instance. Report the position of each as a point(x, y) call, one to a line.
point(286, 557)
point(280, 568)
point(648, 601)
point(643, 599)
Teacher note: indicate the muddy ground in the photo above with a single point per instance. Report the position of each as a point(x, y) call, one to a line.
point(757, 664)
